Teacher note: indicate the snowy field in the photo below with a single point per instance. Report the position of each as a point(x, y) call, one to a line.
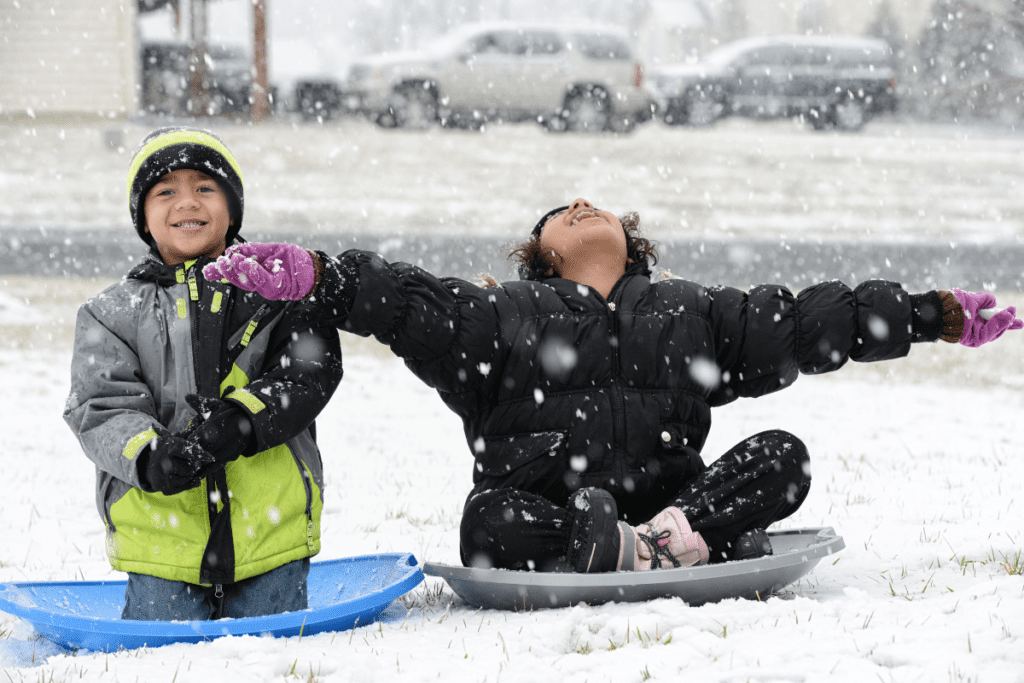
point(917, 463)
point(896, 182)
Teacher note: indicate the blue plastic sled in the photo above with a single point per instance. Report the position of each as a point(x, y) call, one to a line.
point(86, 614)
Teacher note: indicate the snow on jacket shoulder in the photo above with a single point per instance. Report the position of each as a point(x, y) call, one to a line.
point(559, 388)
point(143, 345)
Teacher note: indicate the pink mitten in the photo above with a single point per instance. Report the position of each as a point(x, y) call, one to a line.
point(981, 325)
point(273, 270)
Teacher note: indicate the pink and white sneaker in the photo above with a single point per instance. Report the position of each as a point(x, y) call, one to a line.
point(666, 537)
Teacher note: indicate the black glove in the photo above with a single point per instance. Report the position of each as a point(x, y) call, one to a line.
point(222, 429)
point(171, 465)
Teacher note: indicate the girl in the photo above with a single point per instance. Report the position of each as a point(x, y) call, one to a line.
point(586, 389)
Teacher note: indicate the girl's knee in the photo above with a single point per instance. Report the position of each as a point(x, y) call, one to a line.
point(786, 452)
point(789, 458)
point(477, 518)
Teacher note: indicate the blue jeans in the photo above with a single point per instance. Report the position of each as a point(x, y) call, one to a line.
point(279, 590)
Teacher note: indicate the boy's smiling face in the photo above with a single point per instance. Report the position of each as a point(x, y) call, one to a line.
point(188, 216)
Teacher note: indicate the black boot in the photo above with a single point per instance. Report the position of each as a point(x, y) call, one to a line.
point(594, 539)
point(752, 544)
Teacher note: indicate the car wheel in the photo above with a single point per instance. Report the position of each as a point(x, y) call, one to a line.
point(586, 110)
point(675, 114)
point(386, 118)
point(702, 111)
point(622, 123)
point(413, 106)
point(461, 120)
point(849, 115)
point(555, 123)
point(819, 118)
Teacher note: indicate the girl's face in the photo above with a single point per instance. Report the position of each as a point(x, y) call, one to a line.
point(188, 216)
point(582, 231)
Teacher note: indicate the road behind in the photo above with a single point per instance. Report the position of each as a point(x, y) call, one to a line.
point(736, 203)
point(739, 263)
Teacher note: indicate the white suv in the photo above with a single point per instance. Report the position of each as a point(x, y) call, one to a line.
point(575, 78)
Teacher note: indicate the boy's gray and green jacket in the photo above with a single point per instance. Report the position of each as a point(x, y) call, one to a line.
point(165, 332)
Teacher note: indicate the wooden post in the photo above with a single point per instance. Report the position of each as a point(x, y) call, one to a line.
point(260, 86)
point(199, 78)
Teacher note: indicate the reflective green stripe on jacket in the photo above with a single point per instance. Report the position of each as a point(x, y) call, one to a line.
point(145, 343)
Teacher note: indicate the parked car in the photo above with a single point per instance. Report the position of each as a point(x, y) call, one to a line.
point(566, 78)
point(322, 99)
point(165, 79)
point(830, 81)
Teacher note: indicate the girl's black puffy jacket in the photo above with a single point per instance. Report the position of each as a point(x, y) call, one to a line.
point(559, 388)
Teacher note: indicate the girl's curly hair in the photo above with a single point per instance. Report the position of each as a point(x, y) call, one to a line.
point(534, 263)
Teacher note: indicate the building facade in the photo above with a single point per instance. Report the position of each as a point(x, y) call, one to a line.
point(68, 58)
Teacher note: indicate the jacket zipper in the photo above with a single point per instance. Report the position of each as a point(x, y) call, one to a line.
point(217, 482)
point(618, 401)
point(193, 326)
point(250, 328)
point(309, 500)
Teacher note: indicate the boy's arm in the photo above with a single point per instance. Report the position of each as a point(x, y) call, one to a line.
point(300, 374)
point(110, 409)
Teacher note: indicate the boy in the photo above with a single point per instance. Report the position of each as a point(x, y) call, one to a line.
point(196, 402)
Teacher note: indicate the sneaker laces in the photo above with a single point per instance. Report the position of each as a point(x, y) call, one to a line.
point(658, 544)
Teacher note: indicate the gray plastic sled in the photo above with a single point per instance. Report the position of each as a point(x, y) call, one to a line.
point(796, 552)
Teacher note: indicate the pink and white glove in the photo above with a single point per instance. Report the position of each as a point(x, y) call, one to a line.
point(982, 324)
point(274, 270)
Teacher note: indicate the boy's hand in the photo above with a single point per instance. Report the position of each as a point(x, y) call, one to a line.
point(221, 429)
point(171, 465)
point(981, 326)
point(276, 271)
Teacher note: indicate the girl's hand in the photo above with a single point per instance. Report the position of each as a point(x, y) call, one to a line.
point(982, 321)
point(273, 270)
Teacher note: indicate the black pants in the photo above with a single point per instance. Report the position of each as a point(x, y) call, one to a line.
point(759, 481)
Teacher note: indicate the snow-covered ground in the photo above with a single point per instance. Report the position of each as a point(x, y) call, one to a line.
point(916, 463)
point(896, 182)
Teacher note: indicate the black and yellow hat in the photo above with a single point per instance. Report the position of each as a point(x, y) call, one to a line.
point(169, 149)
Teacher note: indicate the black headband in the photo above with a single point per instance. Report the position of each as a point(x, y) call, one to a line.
point(546, 217)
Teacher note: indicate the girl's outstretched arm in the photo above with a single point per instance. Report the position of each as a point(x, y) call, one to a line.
point(768, 336)
point(446, 329)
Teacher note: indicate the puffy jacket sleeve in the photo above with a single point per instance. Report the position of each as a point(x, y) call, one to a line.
point(302, 369)
point(110, 409)
point(446, 329)
point(766, 337)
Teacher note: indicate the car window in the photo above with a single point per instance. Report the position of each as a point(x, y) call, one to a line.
point(539, 43)
point(519, 43)
point(859, 57)
point(493, 43)
point(596, 46)
point(489, 43)
point(731, 54)
point(768, 56)
point(806, 55)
